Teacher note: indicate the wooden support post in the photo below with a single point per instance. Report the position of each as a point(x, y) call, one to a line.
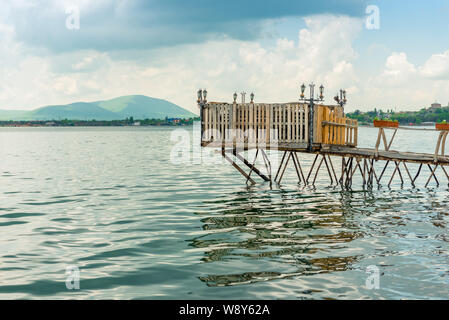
point(285, 167)
point(223, 153)
point(267, 163)
point(311, 168)
point(394, 172)
point(417, 174)
point(300, 168)
point(381, 135)
point(328, 170)
point(399, 171)
point(441, 143)
point(408, 172)
point(432, 175)
point(391, 141)
point(296, 165)
point(317, 170)
point(333, 170)
point(362, 172)
point(251, 166)
point(383, 171)
point(348, 181)
point(280, 166)
point(370, 173)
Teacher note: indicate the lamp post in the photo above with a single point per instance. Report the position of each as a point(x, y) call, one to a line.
point(311, 101)
point(243, 96)
point(200, 97)
point(341, 99)
point(205, 96)
point(202, 100)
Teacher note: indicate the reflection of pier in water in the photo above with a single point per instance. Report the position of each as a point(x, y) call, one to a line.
point(283, 231)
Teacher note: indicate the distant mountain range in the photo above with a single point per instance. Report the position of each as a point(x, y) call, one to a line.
point(136, 106)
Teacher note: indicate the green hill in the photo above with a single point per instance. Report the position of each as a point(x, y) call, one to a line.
point(76, 111)
point(137, 106)
point(141, 107)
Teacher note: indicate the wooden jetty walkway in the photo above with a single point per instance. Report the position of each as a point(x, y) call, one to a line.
point(312, 128)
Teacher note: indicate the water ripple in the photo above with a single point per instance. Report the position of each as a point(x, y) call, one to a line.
point(109, 201)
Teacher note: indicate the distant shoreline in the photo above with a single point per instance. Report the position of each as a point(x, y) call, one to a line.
point(402, 125)
point(129, 122)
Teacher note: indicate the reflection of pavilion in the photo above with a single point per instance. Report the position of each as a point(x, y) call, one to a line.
point(304, 236)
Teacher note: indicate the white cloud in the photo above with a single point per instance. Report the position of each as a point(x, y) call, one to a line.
point(398, 70)
point(323, 53)
point(91, 61)
point(406, 86)
point(437, 67)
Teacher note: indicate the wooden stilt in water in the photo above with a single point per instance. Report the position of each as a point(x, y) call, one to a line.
point(417, 174)
point(251, 166)
point(311, 168)
point(223, 153)
point(285, 167)
point(328, 170)
point(267, 163)
point(408, 172)
point(300, 167)
point(280, 166)
point(296, 166)
point(383, 171)
point(333, 170)
point(317, 170)
point(432, 174)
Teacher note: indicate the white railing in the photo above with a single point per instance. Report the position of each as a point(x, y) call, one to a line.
point(255, 123)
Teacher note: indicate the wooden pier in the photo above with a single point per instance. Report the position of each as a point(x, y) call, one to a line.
point(317, 129)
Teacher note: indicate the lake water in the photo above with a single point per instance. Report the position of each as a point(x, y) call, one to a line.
point(110, 202)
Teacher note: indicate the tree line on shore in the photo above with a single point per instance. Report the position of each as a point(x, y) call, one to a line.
point(436, 115)
point(100, 123)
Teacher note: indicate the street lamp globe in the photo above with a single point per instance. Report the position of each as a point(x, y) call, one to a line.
point(303, 88)
point(321, 92)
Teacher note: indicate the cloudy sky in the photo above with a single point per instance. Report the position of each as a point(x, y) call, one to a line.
point(170, 48)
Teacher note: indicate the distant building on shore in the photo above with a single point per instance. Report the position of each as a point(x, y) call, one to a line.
point(435, 105)
point(174, 120)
